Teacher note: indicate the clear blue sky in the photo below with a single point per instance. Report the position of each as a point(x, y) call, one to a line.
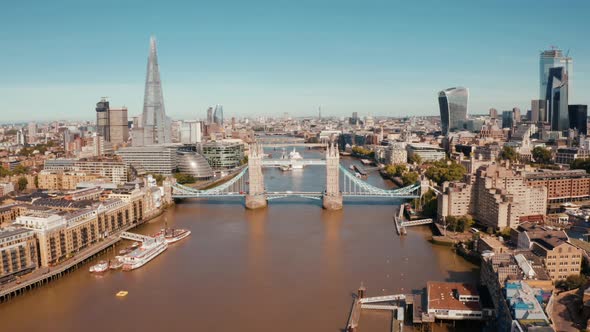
point(268, 57)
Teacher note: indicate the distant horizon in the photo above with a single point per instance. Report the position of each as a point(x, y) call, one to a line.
point(265, 58)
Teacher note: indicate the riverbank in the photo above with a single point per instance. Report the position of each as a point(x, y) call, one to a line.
point(44, 275)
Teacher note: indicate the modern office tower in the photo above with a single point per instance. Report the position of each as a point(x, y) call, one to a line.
point(191, 132)
point(32, 128)
point(102, 118)
point(111, 123)
point(493, 113)
point(155, 125)
point(552, 59)
point(507, 119)
point(538, 110)
point(20, 138)
point(557, 99)
point(218, 115)
point(578, 117)
point(224, 154)
point(154, 159)
point(354, 120)
point(517, 115)
point(453, 108)
point(210, 115)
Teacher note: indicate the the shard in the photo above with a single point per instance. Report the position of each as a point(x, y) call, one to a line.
point(154, 124)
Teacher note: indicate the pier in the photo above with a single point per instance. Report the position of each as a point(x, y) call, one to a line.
point(395, 303)
point(44, 275)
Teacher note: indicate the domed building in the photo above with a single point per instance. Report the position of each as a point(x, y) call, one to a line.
point(194, 164)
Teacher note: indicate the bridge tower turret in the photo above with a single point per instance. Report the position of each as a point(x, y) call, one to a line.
point(332, 199)
point(256, 197)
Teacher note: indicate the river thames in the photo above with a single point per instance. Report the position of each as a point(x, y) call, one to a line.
point(290, 267)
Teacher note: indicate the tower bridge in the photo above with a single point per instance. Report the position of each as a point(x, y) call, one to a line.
point(256, 196)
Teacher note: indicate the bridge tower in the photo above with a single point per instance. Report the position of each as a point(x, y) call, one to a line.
point(332, 199)
point(256, 197)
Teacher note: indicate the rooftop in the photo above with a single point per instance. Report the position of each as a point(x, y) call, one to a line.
point(445, 295)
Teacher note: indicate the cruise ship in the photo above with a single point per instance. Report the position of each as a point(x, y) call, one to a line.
point(148, 250)
point(296, 159)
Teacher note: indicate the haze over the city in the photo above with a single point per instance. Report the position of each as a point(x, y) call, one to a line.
point(270, 57)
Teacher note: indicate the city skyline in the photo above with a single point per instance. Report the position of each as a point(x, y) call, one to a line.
point(265, 61)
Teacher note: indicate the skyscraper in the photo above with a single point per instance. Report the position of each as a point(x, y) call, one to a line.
point(218, 115)
point(155, 125)
point(210, 115)
point(538, 110)
point(111, 123)
point(453, 108)
point(557, 98)
point(551, 59)
point(507, 119)
point(578, 117)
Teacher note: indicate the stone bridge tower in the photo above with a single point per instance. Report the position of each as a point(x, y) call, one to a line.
point(255, 198)
point(332, 199)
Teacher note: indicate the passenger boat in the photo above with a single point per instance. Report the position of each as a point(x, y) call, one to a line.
point(285, 168)
point(172, 235)
point(116, 263)
point(148, 250)
point(100, 267)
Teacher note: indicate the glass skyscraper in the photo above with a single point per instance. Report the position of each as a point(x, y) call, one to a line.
point(551, 59)
point(578, 117)
point(453, 108)
point(218, 115)
point(557, 96)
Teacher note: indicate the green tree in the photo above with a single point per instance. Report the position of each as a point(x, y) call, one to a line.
point(22, 183)
point(36, 181)
point(159, 178)
point(430, 205)
point(415, 159)
point(442, 171)
point(409, 178)
point(542, 155)
point(20, 169)
point(572, 282)
point(182, 178)
point(581, 164)
point(508, 153)
point(4, 172)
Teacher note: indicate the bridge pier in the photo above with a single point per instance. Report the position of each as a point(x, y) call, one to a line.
point(255, 202)
point(332, 202)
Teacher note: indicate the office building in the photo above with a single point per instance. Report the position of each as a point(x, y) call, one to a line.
point(218, 115)
point(194, 164)
point(558, 99)
point(191, 132)
point(493, 113)
point(209, 115)
point(538, 110)
point(426, 152)
point(354, 120)
point(578, 117)
point(154, 127)
point(396, 153)
point(224, 154)
point(453, 104)
point(553, 58)
point(21, 138)
point(507, 119)
point(151, 159)
point(111, 123)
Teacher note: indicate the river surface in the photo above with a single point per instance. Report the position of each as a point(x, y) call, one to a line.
point(290, 267)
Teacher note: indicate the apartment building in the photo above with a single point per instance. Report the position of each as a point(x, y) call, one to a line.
point(562, 186)
point(18, 253)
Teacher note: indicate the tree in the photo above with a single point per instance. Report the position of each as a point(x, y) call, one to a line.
point(442, 171)
point(508, 153)
point(542, 155)
point(4, 172)
point(581, 164)
point(159, 178)
point(415, 159)
point(22, 183)
point(182, 178)
point(36, 181)
point(409, 178)
point(20, 169)
point(395, 170)
point(572, 282)
point(430, 207)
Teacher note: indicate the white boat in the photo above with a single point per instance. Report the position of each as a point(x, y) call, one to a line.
point(285, 168)
point(172, 235)
point(100, 267)
point(294, 155)
point(148, 250)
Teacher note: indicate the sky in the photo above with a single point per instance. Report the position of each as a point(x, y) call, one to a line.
point(259, 57)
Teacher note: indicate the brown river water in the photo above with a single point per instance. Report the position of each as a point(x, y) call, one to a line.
point(290, 267)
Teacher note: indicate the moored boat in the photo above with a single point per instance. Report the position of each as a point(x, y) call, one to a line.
point(172, 235)
point(116, 263)
point(100, 267)
point(148, 250)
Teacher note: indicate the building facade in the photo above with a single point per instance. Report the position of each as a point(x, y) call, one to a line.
point(453, 108)
point(224, 154)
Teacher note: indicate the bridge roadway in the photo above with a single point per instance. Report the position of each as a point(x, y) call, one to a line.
point(287, 162)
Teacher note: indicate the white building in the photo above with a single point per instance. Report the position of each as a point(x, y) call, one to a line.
point(191, 132)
